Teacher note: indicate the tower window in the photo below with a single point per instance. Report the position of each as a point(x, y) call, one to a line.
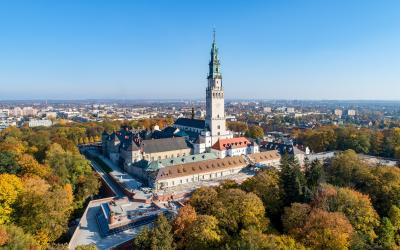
point(218, 126)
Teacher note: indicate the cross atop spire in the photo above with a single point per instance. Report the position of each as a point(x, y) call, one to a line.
point(213, 35)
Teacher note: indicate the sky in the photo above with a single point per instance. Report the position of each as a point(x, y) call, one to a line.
point(269, 49)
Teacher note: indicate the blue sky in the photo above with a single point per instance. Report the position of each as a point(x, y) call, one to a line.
point(270, 49)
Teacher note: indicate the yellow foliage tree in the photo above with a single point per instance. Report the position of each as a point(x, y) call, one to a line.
point(10, 187)
point(29, 165)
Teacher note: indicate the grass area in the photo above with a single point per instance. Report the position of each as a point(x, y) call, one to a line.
point(102, 164)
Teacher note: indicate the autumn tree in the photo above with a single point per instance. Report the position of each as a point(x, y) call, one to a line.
point(13, 237)
point(203, 234)
point(237, 210)
point(295, 217)
point(358, 209)
point(325, 230)
point(43, 210)
point(255, 132)
point(86, 247)
point(239, 127)
point(186, 217)
point(267, 185)
point(282, 242)
point(30, 166)
point(10, 187)
point(383, 188)
point(203, 199)
point(347, 169)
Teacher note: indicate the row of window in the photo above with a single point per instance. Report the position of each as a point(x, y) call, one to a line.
point(195, 178)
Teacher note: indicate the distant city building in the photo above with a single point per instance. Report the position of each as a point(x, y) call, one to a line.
point(39, 123)
point(267, 109)
point(5, 112)
point(29, 111)
point(50, 115)
point(230, 118)
point(290, 110)
point(338, 112)
point(17, 112)
point(351, 112)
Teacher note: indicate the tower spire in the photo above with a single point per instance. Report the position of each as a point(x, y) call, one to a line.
point(214, 66)
point(214, 35)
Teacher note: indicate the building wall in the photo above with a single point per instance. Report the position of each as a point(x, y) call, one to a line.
point(185, 128)
point(166, 154)
point(173, 182)
point(215, 105)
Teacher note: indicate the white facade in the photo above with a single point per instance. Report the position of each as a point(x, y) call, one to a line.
point(351, 112)
point(173, 182)
point(40, 123)
point(338, 112)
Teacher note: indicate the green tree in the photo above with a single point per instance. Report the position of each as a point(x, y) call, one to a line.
point(161, 236)
point(142, 241)
point(386, 234)
point(292, 179)
point(314, 174)
point(8, 163)
point(266, 185)
point(394, 216)
point(347, 169)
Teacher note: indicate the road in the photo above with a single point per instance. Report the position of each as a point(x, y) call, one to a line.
point(110, 182)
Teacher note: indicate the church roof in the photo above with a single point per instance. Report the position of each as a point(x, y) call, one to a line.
point(194, 123)
point(163, 145)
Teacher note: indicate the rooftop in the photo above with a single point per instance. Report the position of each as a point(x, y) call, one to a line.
point(238, 142)
point(163, 145)
point(194, 123)
point(200, 167)
point(155, 165)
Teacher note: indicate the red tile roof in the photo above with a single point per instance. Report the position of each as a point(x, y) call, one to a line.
point(238, 142)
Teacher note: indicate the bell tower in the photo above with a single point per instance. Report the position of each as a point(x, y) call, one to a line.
point(215, 110)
